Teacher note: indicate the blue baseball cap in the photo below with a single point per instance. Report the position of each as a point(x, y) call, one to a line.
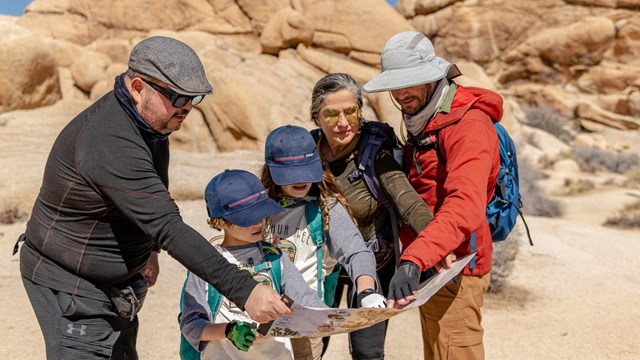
point(238, 197)
point(292, 157)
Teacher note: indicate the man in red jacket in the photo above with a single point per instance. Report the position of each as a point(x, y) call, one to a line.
point(452, 158)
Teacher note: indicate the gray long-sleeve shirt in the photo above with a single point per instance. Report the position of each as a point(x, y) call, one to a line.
point(196, 314)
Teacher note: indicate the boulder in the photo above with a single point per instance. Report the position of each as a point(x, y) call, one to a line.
point(194, 135)
point(626, 47)
point(543, 55)
point(28, 70)
point(257, 96)
point(286, 29)
point(65, 52)
point(88, 69)
point(227, 18)
point(591, 112)
point(64, 26)
point(346, 18)
point(331, 62)
point(260, 12)
point(607, 78)
point(332, 41)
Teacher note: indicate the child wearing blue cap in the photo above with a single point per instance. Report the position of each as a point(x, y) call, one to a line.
point(316, 228)
point(237, 203)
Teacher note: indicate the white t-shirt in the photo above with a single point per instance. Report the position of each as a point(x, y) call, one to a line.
point(290, 232)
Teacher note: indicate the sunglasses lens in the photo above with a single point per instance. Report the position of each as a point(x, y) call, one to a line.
point(352, 116)
point(331, 120)
point(197, 99)
point(181, 101)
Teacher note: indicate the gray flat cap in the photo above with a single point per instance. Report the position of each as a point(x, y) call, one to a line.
point(172, 62)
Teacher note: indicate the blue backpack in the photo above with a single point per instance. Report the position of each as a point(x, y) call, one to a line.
point(214, 298)
point(505, 206)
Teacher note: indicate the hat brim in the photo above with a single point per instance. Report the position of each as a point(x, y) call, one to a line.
point(204, 91)
point(394, 79)
point(296, 174)
point(254, 213)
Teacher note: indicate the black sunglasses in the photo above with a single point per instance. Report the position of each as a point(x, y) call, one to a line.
point(177, 100)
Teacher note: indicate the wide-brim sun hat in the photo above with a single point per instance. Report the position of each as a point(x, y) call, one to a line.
point(239, 197)
point(292, 156)
point(409, 59)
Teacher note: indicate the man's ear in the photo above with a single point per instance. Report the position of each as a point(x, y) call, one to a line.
point(136, 89)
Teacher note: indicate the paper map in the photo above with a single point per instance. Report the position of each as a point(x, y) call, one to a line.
point(313, 322)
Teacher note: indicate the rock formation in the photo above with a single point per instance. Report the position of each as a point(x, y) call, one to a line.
point(577, 57)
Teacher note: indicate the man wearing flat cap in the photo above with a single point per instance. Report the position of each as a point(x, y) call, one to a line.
point(103, 212)
point(452, 158)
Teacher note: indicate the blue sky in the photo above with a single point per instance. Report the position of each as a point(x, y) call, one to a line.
point(16, 7)
point(13, 7)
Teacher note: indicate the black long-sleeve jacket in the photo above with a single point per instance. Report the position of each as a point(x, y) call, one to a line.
point(104, 205)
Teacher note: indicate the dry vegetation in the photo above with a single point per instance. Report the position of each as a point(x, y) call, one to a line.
point(592, 159)
point(504, 255)
point(549, 120)
point(578, 186)
point(627, 218)
point(534, 200)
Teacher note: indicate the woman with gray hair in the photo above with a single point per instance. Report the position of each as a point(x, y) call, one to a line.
point(379, 195)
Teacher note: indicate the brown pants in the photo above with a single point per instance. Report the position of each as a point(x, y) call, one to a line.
point(451, 320)
point(307, 348)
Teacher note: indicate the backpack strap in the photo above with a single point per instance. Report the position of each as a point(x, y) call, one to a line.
point(472, 249)
point(370, 143)
point(313, 215)
point(327, 284)
point(272, 263)
point(214, 299)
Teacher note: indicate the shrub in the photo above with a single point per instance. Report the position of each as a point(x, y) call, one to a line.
point(578, 186)
point(534, 200)
point(593, 159)
point(535, 203)
point(628, 218)
point(549, 120)
point(632, 178)
point(504, 254)
point(11, 215)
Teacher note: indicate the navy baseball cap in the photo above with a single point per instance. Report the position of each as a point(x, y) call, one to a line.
point(292, 156)
point(238, 197)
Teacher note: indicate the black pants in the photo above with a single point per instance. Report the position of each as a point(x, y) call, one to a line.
point(76, 327)
point(366, 343)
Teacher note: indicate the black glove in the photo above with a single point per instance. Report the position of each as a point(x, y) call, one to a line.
point(405, 281)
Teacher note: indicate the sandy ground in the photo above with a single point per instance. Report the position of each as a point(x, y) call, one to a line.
point(572, 296)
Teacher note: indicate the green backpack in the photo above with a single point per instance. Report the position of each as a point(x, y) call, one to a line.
point(313, 214)
point(214, 298)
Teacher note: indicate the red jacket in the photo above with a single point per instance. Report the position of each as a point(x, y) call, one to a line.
point(458, 189)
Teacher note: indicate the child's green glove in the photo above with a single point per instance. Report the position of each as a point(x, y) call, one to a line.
point(240, 334)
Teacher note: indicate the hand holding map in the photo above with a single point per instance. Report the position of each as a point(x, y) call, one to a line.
point(310, 322)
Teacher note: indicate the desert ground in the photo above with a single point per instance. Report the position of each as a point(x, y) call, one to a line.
point(573, 295)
